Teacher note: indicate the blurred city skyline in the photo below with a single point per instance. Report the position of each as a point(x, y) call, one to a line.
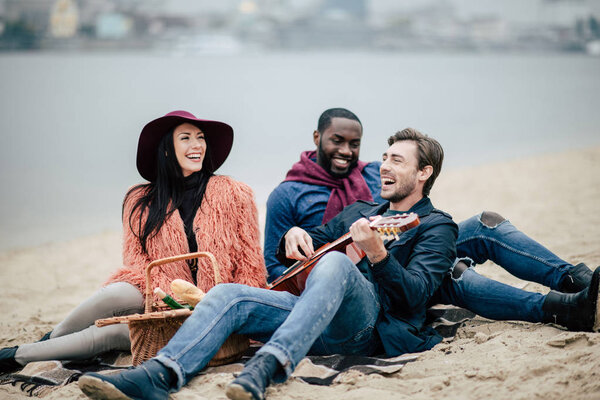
point(235, 26)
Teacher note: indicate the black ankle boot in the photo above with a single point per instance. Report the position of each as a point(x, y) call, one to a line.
point(576, 311)
point(45, 337)
point(148, 381)
point(254, 379)
point(577, 279)
point(7, 360)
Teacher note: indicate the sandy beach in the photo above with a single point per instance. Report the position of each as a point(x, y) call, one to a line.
point(554, 198)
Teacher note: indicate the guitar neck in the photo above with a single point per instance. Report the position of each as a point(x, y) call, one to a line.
point(337, 245)
point(293, 278)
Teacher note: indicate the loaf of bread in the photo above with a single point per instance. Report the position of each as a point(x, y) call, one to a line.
point(187, 292)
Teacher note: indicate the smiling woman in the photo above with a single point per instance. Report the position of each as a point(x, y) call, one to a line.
point(183, 208)
point(190, 146)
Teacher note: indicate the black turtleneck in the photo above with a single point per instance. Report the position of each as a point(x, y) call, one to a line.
point(189, 207)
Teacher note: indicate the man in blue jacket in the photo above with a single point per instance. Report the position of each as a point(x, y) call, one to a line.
point(322, 183)
point(325, 180)
point(377, 305)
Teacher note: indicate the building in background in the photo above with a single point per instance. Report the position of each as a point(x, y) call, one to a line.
point(64, 19)
point(259, 25)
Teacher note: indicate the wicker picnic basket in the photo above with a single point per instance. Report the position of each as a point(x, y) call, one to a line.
point(150, 332)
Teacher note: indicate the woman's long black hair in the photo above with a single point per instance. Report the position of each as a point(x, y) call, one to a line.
point(163, 196)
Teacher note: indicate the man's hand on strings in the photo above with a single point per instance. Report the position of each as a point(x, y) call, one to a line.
point(298, 244)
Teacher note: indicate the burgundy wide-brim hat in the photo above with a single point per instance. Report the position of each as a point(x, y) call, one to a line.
point(218, 136)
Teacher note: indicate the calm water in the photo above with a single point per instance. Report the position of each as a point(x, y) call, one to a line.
point(70, 123)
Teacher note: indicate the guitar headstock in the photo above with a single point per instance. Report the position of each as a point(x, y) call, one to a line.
point(389, 227)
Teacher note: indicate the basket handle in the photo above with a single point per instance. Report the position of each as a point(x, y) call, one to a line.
point(181, 312)
point(167, 260)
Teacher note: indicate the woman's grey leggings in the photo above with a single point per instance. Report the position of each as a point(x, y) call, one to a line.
point(77, 338)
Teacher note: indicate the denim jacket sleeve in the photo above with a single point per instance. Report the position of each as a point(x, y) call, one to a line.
point(416, 268)
point(280, 217)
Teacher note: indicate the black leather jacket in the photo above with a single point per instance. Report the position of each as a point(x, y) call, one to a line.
point(418, 262)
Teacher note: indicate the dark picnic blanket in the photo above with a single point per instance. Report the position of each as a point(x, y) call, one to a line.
point(40, 378)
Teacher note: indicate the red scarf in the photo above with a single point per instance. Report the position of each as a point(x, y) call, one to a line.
point(345, 191)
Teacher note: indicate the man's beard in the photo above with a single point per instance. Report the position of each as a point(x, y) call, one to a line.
point(407, 186)
point(327, 161)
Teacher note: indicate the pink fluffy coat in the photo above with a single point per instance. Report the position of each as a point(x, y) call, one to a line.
point(226, 225)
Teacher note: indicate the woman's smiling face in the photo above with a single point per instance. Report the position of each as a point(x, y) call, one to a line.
point(190, 148)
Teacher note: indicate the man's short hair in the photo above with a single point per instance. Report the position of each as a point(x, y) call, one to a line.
point(325, 118)
point(430, 152)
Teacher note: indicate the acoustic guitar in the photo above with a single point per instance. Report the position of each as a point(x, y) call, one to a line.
point(293, 279)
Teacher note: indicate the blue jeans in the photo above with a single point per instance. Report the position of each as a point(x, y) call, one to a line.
point(336, 313)
point(514, 251)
